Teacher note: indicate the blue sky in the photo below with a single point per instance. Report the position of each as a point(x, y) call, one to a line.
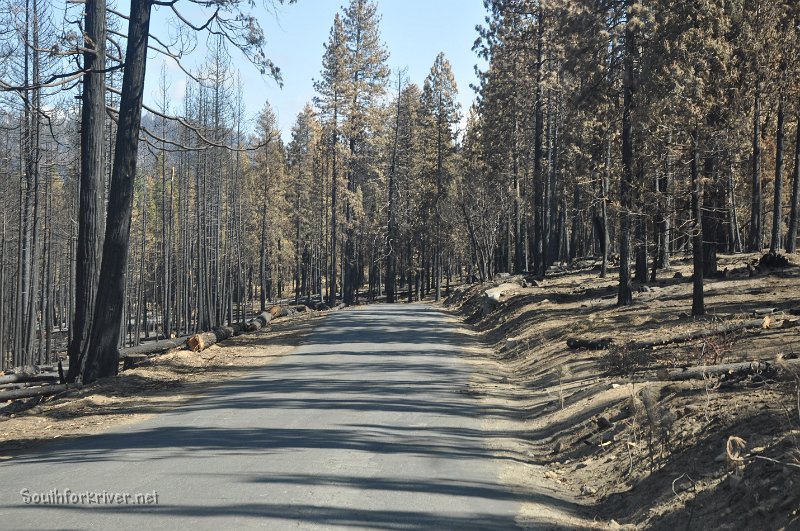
point(414, 32)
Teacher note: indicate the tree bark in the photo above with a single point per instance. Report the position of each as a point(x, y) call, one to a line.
point(756, 243)
point(624, 293)
point(44, 390)
point(101, 357)
point(698, 304)
point(777, 210)
point(538, 177)
point(791, 236)
point(730, 370)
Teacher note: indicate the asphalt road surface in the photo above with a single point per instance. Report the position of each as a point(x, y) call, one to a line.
point(365, 426)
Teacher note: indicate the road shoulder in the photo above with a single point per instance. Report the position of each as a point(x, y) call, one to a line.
point(163, 384)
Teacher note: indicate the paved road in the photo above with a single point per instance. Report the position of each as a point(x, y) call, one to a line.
point(365, 426)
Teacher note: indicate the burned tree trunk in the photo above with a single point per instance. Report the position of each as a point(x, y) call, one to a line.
point(101, 357)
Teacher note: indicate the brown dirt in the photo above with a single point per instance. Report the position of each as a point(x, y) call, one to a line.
point(159, 384)
point(603, 429)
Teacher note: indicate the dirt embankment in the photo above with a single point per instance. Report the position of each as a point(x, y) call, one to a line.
point(159, 384)
point(616, 429)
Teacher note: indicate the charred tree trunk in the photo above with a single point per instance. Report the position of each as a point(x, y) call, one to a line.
point(698, 305)
point(733, 217)
point(334, 186)
point(101, 357)
point(538, 177)
point(714, 214)
point(756, 232)
point(392, 237)
point(777, 210)
point(624, 293)
point(791, 236)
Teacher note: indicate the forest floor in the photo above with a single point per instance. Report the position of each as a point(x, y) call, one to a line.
point(607, 428)
point(161, 384)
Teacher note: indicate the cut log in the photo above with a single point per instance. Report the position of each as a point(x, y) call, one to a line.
point(44, 390)
point(238, 328)
point(732, 370)
point(200, 342)
point(764, 311)
point(223, 332)
point(278, 311)
point(155, 347)
point(590, 344)
point(260, 321)
point(752, 324)
point(132, 360)
point(26, 377)
point(25, 385)
point(264, 318)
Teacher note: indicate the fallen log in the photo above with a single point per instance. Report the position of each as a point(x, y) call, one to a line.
point(259, 321)
point(27, 377)
point(25, 385)
point(132, 360)
point(590, 344)
point(44, 390)
point(202, 341)
point(764, 323)
point(155, 347)
point(604, 343)
point(223, 332)
point(278, 311)
point(264, 318)
point(732, 370)
point(764, 311)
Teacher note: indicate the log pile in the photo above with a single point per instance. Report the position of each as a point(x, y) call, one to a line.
point(202, 341)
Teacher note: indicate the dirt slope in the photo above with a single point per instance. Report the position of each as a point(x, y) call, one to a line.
point(606, 427)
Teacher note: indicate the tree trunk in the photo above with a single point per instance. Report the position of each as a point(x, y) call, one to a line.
point(791, 236)
point(733, 217)
point(101, 357)
point(756, 243)
point(777, 210)
point(334, 187)
point(624, 293)
point(604, 183)
point(538, 177)
point(698, 306)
